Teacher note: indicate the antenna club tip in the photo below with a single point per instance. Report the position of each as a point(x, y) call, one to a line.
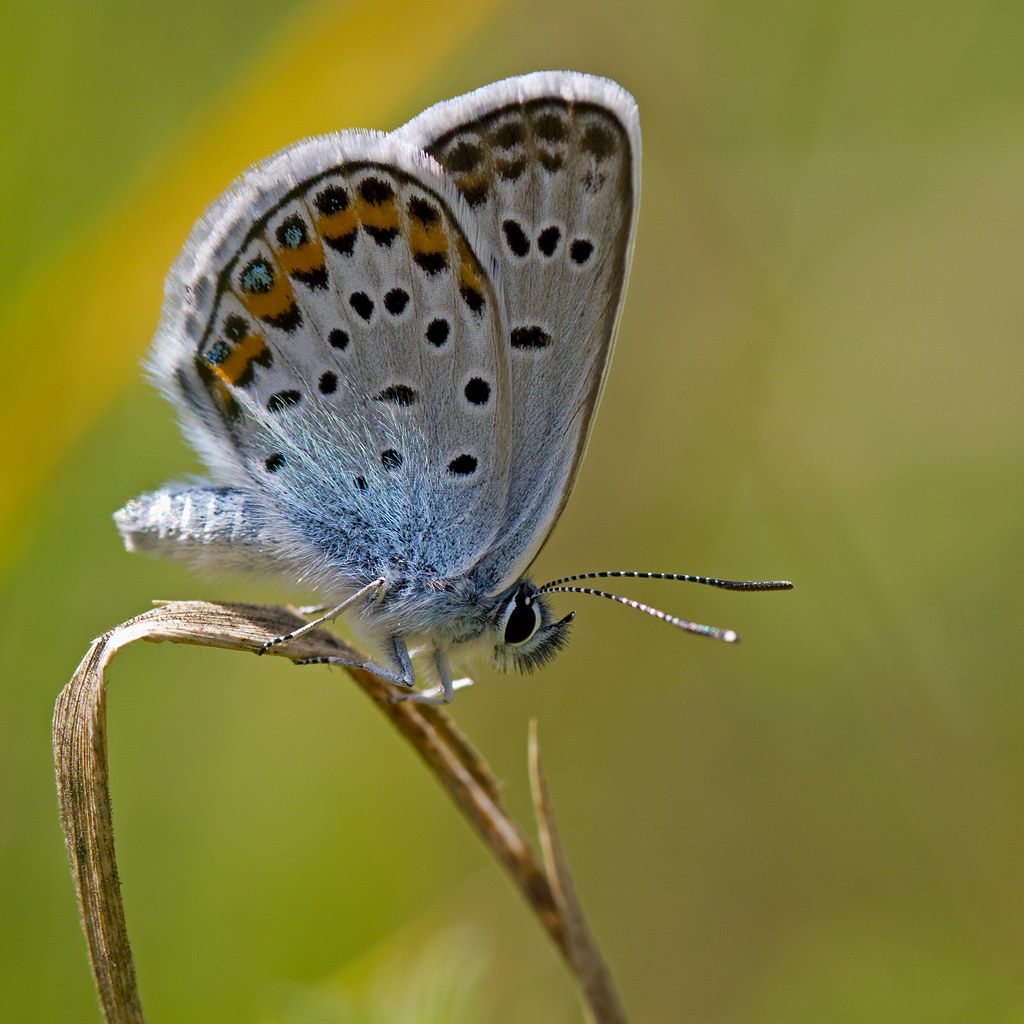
point(730, 636)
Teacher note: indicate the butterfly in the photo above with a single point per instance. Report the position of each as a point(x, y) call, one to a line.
point(388, 349)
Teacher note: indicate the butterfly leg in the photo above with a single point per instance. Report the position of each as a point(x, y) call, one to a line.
point(442, 693)
point(402, 676)
point(327, 616)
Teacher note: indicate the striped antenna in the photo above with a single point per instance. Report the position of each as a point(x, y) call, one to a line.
point(729, 636)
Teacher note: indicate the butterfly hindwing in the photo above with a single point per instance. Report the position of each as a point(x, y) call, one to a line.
point(330, 332)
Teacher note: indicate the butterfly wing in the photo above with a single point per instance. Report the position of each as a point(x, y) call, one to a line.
point(549, 165)
point(329, 336)
point(390, 347)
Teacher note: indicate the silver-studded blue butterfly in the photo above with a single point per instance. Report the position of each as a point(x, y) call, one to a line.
point(388, 349)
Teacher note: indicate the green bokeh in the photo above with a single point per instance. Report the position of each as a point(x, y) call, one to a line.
point(819, 376)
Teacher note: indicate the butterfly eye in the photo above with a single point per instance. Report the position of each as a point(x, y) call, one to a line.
point(521, 618)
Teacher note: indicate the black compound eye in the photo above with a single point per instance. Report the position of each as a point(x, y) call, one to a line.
point(521, 620)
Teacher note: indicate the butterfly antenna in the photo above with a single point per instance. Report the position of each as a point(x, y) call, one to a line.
point(729, 636)
point(709, 581)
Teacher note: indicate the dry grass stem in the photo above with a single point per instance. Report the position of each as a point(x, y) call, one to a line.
point(80, 750)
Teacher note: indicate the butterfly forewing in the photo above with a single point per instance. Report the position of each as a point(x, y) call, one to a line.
point(551, 175)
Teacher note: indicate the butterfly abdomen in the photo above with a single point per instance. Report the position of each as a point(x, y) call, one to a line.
point(191, 524)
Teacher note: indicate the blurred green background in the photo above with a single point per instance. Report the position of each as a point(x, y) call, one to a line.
point(819, 376)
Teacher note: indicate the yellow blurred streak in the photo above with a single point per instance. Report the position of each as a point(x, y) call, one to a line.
point(77, 329)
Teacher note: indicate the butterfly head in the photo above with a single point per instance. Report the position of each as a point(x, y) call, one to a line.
point(526, 634)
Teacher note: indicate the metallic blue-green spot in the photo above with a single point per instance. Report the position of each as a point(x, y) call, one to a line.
point(258, 276)
point(217, 353)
